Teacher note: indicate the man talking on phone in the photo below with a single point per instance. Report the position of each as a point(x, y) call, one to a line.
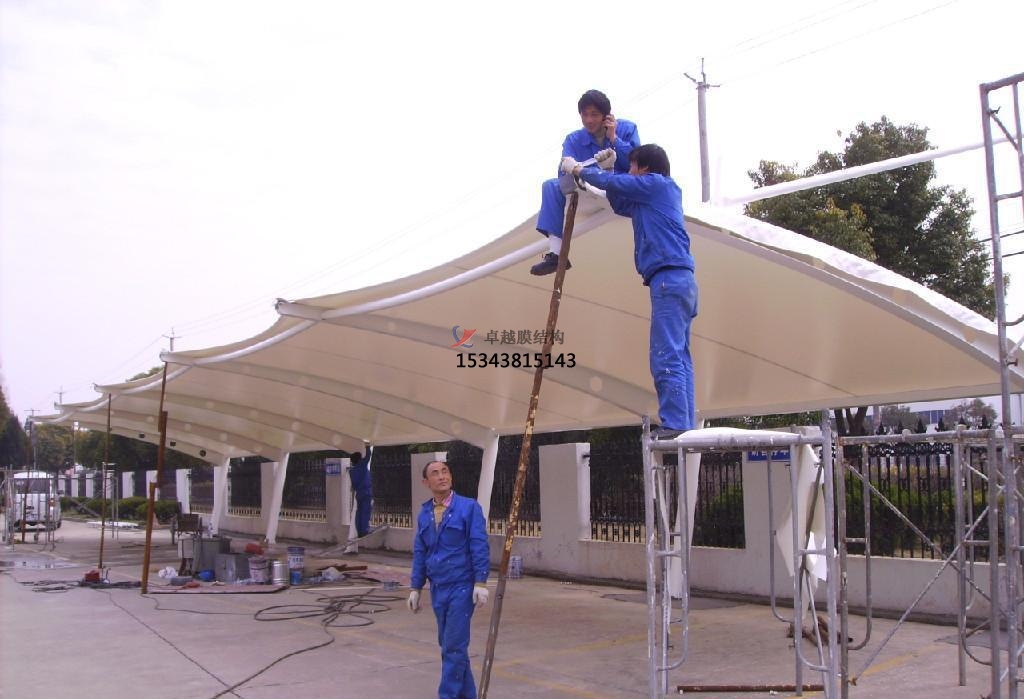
point(601, 130)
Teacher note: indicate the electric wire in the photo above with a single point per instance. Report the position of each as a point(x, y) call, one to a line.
point(835, 43)
point(331, 608)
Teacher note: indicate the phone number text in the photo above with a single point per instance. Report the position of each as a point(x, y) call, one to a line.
point(515, 360)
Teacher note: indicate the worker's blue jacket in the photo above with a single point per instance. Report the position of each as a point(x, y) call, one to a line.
point(581, 146)
point(655, 204)
point(456, 550)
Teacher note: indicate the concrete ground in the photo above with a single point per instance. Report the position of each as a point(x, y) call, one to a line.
point(557, 639)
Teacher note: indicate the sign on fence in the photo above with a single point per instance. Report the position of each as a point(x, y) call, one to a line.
point(762, 455)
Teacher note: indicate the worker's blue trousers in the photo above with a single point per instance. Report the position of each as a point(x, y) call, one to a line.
point(364, 505)
point(551, 218)
point(453, 607)
point(673, 308)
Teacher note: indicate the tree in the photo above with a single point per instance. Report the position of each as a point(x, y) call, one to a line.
point(895, 416)
point(53, 449)
point(971, 412)
point(897, 219)
point(13, 444)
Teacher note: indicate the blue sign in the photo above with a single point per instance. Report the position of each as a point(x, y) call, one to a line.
point(762, 455)
point(332, 468)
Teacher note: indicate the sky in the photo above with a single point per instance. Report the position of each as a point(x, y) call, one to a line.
point(169, 169)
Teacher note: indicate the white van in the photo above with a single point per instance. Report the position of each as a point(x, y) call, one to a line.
point(35, 500)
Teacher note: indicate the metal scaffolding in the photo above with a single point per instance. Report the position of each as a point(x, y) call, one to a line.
point(669, 503)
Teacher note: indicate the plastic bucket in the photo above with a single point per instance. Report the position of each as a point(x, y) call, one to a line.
point(259, 569)
point(515, 567)
point(296, 557)
point(279, 572)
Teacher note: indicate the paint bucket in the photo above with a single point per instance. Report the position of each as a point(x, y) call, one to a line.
point(279, 572)
point(259, 569)
point(296, 557)
point(515, 567)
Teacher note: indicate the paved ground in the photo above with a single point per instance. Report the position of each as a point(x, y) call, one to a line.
point(557, 639)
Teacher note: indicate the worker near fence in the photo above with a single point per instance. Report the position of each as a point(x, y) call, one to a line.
point(450, 549)
point(600, 130)
point(651, 198)
point(362, 486)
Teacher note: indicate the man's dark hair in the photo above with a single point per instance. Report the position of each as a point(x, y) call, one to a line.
point(652, 157)
point(596, 99)
point(356, 457)
point(435, 461)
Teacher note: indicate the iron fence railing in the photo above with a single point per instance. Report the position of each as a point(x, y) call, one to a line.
point(200, 490)
point(245, 490)
point(617, 492)
point(616, 486)
point(918, 480)
point(718, 516)
point(392, 489)
point(305, 487)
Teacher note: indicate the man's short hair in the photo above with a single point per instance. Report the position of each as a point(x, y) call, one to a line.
point(596, 99)
point(435, 461)
point(356, 457)
point(653, 157)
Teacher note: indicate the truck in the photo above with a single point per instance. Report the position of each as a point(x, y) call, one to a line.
point(35, 500)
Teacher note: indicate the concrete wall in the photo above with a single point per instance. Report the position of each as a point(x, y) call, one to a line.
point(566, 550)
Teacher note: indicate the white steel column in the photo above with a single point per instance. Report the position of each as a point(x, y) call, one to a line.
point(274, 516)
point(220, 495)
point(486, 484)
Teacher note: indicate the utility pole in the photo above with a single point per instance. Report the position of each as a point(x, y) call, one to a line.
point(30, 426)
point(171, 337)
point(702, 89)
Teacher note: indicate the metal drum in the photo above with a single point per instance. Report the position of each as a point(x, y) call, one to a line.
point(279, 572)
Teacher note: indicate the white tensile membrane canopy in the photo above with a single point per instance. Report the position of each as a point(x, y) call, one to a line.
point(786, 323)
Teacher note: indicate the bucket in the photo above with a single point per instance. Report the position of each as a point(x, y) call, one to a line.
point(279, 573)
point(296, 557)
point(515, 567)
point(259, 569)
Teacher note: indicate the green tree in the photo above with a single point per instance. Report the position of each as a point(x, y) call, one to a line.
point(972, 412)
point(897, 219)
point(53, 450)
point(893, 416)
point(13, 440)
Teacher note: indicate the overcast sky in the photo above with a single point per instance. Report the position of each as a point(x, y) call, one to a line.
point(177, 166)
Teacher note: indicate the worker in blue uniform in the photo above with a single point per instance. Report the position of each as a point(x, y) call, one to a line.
point(600, 130)
point(661, 248)
point(362, 486)
point(450, 549)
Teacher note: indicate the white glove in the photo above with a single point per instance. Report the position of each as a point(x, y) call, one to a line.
point(414, 601)
point(480, 595)
point(605, 158)
point(568, 164)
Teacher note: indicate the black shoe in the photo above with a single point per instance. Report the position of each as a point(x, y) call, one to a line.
point(548, 265)
point(665, 433)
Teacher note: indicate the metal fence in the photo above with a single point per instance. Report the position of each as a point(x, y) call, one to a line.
point(305, 488)
point(392, 494)
point(201, 488)
point(617, 492)
point(245, 488)
point(918, 480)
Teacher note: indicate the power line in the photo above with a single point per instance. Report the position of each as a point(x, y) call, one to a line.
point(833, 44)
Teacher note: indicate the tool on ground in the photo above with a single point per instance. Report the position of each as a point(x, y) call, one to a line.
point(524, 452)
